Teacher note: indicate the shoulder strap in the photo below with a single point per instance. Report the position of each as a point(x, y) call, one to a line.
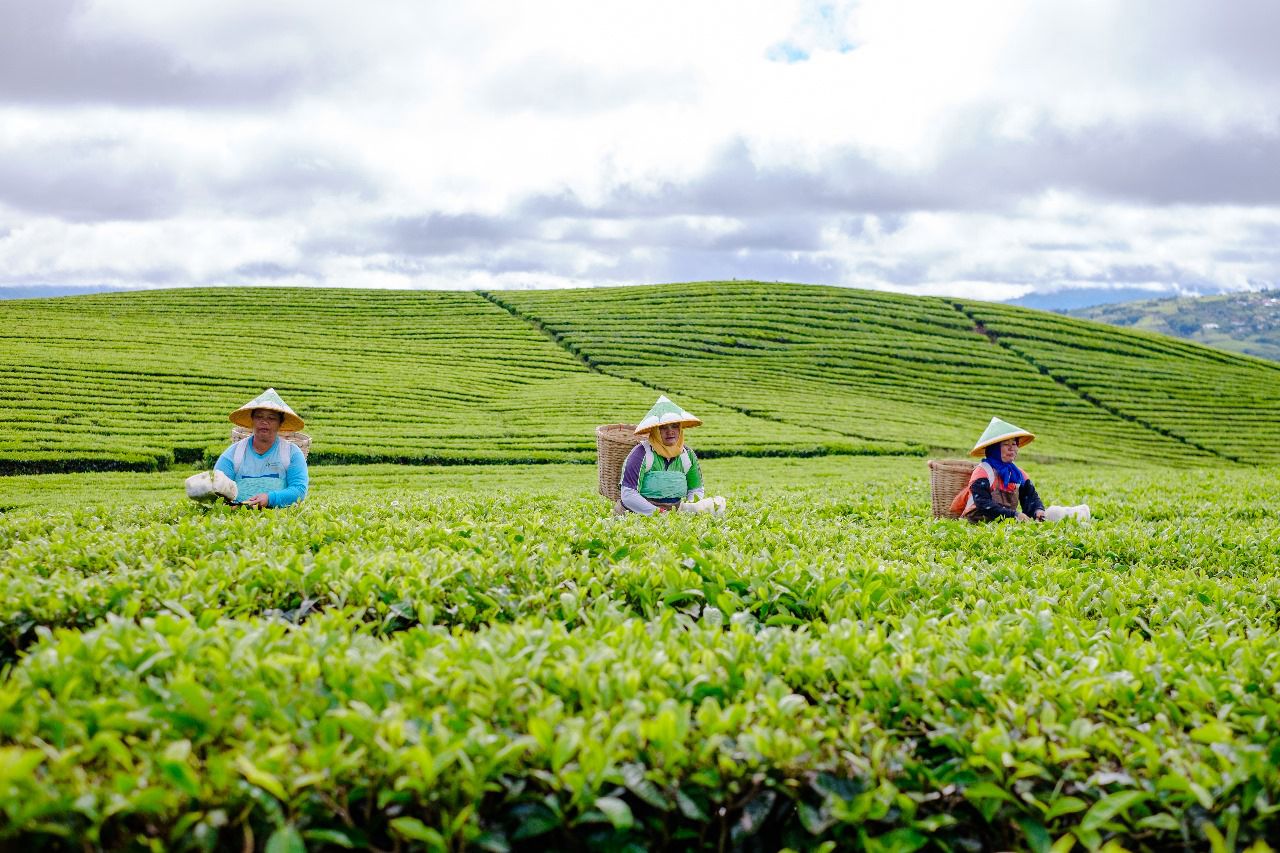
point(647, 465)
point(984, 469)
point(237, 458)
point(685, 461)
point(960, 503)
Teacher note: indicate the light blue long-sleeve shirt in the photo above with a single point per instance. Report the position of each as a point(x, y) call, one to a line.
point(268, 464)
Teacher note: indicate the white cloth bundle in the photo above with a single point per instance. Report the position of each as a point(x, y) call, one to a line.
point(1057, 513)
point(210, 485)
point(712, 505)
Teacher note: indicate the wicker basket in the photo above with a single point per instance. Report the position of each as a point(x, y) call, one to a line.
point(946, 478)
point(613, 443)
point(299, 439)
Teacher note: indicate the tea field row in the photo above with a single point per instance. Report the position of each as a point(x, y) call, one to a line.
point(143, 381)
point(887, 366)
point(484, 658)
point(1215, 400)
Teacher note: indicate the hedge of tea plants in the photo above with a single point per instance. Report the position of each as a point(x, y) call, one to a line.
point(510, 669)
point(1198, 395)
point(887, 366)
point(144, 381)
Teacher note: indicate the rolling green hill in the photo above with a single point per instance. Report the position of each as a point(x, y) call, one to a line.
point(144, 380)
point(923, 370)
point(138, 380)
point(1247, 323)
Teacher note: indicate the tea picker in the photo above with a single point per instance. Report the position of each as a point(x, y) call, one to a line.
point(999, 489)
point(661, 472)
point(265, 468)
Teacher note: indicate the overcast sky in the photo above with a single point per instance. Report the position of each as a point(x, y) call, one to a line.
point(989, 149)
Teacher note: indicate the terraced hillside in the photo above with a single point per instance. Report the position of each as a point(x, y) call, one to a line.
point(1202, 397)
point(486, 658)
point(862, 363)
point(141, 380)
point(136, 380)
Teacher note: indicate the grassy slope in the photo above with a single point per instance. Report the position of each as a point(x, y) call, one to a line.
point(138, 379)
point(379, 376)
point(904, 368)
point(1200, 396)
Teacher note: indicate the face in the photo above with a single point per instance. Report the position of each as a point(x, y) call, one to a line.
point(670, 433)
point(266, 424)
point(1009, 450)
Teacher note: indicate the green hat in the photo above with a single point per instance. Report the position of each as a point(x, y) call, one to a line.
point(998, 431)
point(666, 412)
point(268, 399)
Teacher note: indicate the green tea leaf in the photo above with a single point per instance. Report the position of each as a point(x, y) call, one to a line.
point(1037, 836)
point(416, 830)
point(1214, 732)
point(617, 812)
point(1064, 806)
point(261, 778)
point(1110, 806)
point(286, 840)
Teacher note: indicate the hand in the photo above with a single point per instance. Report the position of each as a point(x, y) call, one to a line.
point(1022, 516)
point(1039, 515)
point(256, 502)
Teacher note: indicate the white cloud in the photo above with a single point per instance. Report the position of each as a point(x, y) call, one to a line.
point(993, 146)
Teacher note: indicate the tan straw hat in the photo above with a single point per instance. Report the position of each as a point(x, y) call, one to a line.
point(271, 401)
point(998, 431)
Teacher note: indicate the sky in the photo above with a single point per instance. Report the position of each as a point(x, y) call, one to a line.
point(1046, 152)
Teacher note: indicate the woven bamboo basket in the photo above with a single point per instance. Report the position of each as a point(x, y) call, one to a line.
point(299, 439)
point(946, 478)
point(613, 443)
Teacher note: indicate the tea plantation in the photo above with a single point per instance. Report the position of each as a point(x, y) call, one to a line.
point(480, 657)
point(143, 381)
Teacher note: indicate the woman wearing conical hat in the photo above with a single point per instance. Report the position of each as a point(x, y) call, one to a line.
point(661, 473)
point(263, 470)
point(998, 488)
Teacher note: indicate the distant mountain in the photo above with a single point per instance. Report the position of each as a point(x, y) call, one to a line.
point(40, 291)
point(1238, 322)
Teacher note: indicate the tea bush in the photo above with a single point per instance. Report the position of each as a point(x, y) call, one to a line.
point(512, 668)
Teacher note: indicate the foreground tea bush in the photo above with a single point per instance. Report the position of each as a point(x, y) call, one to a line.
point(997, 730)
point(522, 672)
point(466, 562)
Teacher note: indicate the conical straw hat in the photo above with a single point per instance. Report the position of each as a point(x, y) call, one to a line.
point(268, 399)
point(666, 412)
point(998, 431)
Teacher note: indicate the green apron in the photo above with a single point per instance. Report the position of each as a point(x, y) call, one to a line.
point(666, 485)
